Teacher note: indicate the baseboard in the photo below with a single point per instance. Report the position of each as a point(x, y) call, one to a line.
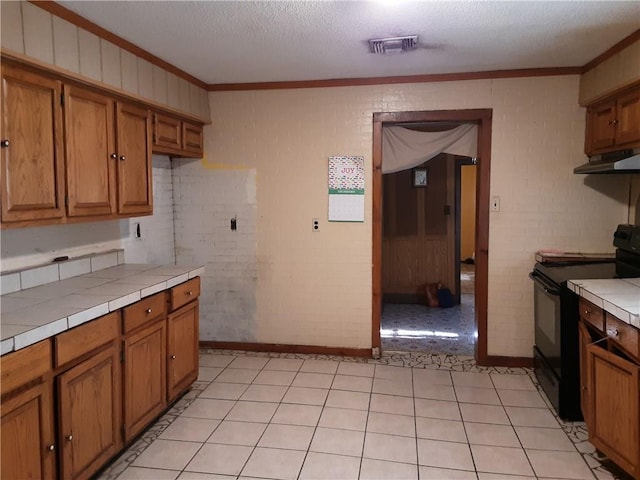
point(500, 361)
point(283, 348)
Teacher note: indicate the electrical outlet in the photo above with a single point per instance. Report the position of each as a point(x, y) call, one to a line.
point(137, 232)
point(495, 204)
point(315, 225)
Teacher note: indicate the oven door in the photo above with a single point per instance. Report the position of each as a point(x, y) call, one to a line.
point(547, 313)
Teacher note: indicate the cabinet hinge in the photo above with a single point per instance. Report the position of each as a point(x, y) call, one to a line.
point(62, 99)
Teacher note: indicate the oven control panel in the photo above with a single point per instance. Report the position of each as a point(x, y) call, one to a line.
point(627, 238)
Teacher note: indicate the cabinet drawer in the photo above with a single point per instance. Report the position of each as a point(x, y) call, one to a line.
point(83, 339)
point(25, 365)
point(185, 293)
point(146, 310)
point(624, 334)
point(591, 314)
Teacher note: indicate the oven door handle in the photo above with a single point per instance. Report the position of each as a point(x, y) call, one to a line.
point(546, 286)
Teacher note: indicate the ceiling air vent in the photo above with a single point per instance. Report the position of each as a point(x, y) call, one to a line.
point(391, 45)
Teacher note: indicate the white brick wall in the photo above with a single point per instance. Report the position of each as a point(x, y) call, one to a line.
point(315, 288)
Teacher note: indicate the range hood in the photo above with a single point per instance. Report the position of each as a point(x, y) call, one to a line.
point(624, 161)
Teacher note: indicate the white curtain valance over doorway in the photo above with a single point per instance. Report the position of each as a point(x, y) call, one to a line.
point(403, 148)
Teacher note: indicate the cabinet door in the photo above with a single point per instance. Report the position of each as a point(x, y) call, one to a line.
point(32, 156)
point(90, 406)
point(134, 160)
point(614, 409)
point(585, 387)
point(144, 377)
point(167, 132)
point(600, 127)
point(28, 450)
point(182, 349)
point(628, 118)
point(192, 138)
point(90, 151)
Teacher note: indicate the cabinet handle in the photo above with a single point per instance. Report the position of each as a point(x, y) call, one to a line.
point(173, 357)
point(69, 438)
point(614, 122)
point(148, 310)
point(4, 143)
point(189, 293)
point(587, 312)
point(51, 448)
point(114, 156)
point(123, 158)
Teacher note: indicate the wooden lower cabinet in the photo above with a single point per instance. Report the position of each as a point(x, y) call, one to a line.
point(144, 377)
point(585, 340)
point(89, 412)
point(614, 407)
point(28, 446)
point(182, 349)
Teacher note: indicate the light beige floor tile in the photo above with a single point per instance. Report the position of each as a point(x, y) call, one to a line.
point(392, 448)
point(343, 418)
point(285, 364)
point(391, 404)
point(208, 374)
point(352, 383)
point(393, 387)
point(485, 396)
point(545, 439)
point(435, 473)
point(226, 391)
point(189, 429)
point(291, 437)
point(208, 408)
point(264, 393)
point(292, 414)
point(221, 361)
point(437, 429)
point(559, 464)
point(507, 460)
point(167, 454)
point(238, 433)
point(489, 434)
point(484, 413)
point(274, 463)
point(434, 392)
point(393, 373)
point(306, 395)
point(204, 476)
point(274, 377)
point(319, 366)
point(437, 409)
point(471, 379)
point(323, 466)
point(532, 417)
point(260, 412)
point(313, 380)
point(352, 400)
point(502, 476)
point(431, 377)
point(221, 459)
point(513, 382)
point(140, 473)
point(435, 453)
point(391, 424)
point(356, 369)
point(382, 470)
point(256, 363)
point(237, 375)
point(521, 398)
point(340, 442)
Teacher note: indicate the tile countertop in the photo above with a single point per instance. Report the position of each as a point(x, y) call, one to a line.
point(31, 315)
point(619, 297)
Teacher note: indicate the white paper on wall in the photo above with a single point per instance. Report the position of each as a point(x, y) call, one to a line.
point(346, 189)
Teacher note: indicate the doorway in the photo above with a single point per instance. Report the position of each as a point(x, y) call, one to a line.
point(482, 118)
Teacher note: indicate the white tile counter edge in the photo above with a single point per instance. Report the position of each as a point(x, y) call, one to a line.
point(172, 276)
point(620, 297)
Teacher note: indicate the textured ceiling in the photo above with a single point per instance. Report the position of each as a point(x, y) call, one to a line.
point(264, 41)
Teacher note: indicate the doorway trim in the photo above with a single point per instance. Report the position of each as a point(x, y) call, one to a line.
point(482, 118)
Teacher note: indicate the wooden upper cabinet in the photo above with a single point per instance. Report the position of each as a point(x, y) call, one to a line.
point(31, 150)
point(90, 152)
point(192, 138)
point(135, 194)
point(167, 132)
point(614, 124)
